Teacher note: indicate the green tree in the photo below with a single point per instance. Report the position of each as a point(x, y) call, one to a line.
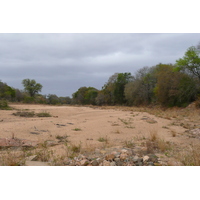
point(31, 87)
point(190, 63)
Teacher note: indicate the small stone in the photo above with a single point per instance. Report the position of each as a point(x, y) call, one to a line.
point(139, 164)
point(32, 158)
point(117, 159)
point(150, 164)
point(106, 163)
point(145, 158)
point(124, 151)
point(113, 164)
point(135, 159)
point(102, 151)
point(110, 157)
point(94, 163)
point(84, 162)
point(123, 156)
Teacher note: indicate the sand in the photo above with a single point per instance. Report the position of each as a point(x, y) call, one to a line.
point(86, 125)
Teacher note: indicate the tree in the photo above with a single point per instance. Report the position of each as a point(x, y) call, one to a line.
point(85, 95)
point(190, 63)
point(31, 87)
point(140, 90)
point(174, 88)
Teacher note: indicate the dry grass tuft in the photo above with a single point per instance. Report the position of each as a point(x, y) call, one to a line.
point(190, 156)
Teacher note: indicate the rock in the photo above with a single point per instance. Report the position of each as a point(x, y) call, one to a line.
point(150, 164)
point(135, 159)
point(153, 158)
point(123, 156)
point(139, 164)
point(102, 151)
point(117, 159)
point(84, 162)
point(145, 158)
point(95, 163)
point(113, 164)
point(124, 151)
point(32, 158)
point(110, 157)
point(106, 163)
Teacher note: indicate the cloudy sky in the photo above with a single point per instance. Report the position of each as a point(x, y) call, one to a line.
point(64, 62)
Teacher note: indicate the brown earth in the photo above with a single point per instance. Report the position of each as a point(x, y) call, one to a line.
point(93, 127)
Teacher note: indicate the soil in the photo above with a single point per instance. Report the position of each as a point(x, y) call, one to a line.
point(92, 127)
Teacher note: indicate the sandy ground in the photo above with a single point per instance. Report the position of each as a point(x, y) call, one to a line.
point(92, 123)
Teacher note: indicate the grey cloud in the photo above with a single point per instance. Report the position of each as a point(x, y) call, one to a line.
point(65, 62)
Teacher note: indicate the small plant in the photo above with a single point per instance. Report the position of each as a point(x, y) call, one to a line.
point(43, 114)
point(173, 133)
point(124, 121)
point(191, 156)
point(4, 105)
point(165, 127)
point(153, 136)
point(24, 114)
point(102, 139)
point(62, 138)
point(77, 129)
point(129, 144)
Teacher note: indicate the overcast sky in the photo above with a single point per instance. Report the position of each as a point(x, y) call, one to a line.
point(63, 63)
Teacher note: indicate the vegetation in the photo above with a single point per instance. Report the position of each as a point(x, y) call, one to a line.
point(31, 87)
point(167, 85)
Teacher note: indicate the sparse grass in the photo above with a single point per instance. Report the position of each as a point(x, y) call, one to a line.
point(73, 150)
point(131, 127)
point(165, 127)
point(124, 121)
point(190, 156)
point(173, 133)
point(117, 131)
point(4, 105)
point(156, 144)
point(77, 129)
point(43, 153)
point(103, 139)
point(31, 114)
point(12, 158)
point(43, 114)
point(24, 114)
point(62, 138)
point(129, 144)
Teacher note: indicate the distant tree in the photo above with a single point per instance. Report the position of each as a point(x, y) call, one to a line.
point(140, 90)
point(31, 87)
point(7, 92)
point(53, 99)
point(85, 95)
point(113, 90)
point(190, 63)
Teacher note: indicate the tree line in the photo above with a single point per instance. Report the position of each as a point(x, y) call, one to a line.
point(164, 84)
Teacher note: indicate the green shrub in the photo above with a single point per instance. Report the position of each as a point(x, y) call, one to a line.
point(4, 105)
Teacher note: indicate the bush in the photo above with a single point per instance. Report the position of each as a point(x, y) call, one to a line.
point(4, 105)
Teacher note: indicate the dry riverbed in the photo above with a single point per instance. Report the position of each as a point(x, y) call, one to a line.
point(81, 135)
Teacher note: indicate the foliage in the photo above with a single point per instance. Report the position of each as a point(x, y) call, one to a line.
point(85, 95)
point(4, 105)
point(31, 87)
point(190, 63)
point(6, 92)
